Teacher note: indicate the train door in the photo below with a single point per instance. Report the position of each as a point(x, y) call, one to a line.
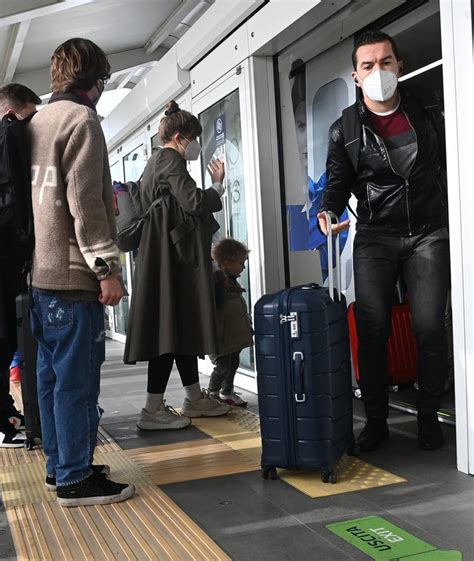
point(223, 110)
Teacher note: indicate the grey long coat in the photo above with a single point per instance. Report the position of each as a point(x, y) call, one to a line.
point(173, 302)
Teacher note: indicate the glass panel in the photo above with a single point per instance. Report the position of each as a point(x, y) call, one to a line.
point(121, 310)
point(420, 44)
point(133, 165)
point(108, 318)
point(222, 138)
point(155, 142)
point(108, 310)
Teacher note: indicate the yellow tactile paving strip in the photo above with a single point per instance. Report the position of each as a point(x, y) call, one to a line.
point(148, 527)
point(240, 431)
point(188, 461)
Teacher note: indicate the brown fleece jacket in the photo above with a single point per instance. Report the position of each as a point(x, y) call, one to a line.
point(72, 199)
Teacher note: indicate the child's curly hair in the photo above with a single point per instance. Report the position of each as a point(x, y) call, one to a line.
point(228, 249)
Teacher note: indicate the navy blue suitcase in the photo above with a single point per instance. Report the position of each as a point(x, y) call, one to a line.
point(304, 379)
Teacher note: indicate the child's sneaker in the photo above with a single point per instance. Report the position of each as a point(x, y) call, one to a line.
point(15, 374)
point(11, 438)
point(166, 418)
point(99, 470)
point(207, 406)
point(94, 491)
point(232, 399)
point(17, 420)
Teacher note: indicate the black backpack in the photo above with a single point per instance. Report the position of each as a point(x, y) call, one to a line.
point(16, 216)
point(130, 216)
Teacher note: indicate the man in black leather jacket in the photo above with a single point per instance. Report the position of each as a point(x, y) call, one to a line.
point(392, 160)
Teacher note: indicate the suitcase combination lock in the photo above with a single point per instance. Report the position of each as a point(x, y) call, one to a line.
point(293, 320)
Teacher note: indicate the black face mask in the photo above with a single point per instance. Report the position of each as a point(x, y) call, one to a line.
point(100, 90)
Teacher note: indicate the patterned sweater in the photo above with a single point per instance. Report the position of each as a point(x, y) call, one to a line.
point(72, 199)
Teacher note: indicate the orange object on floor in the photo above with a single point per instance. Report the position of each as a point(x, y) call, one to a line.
point(15, 374)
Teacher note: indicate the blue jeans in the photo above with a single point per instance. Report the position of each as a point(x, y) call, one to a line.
point(71, 349)
point(423, 262)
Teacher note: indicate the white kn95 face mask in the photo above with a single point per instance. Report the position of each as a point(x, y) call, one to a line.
point(380, 85)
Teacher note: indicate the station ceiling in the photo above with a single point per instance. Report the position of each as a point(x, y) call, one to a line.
point(134, 33)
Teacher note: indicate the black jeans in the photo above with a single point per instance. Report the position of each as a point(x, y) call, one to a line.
point(423, 262)
point(9, 286)
point(159, 370)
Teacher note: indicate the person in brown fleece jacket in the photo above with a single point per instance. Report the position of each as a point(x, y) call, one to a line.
point(75, 272)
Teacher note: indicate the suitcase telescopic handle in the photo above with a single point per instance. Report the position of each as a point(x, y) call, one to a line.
point(300, 396)
point(331, 220)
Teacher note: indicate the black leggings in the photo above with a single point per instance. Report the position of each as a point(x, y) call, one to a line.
point(159, 370)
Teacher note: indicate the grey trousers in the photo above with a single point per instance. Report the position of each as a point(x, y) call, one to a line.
point(222, 377)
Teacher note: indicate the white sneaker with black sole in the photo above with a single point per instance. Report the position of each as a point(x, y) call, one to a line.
point(207, 406)
point(94, 491)
point(12, 438)
point(99, 470)
point(166, 418)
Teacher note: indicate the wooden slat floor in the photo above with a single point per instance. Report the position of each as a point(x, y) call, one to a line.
point(187, 461)
point(148, 527)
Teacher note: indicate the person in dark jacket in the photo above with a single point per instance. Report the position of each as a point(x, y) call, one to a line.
point(173, 311)
point(400, 184)
point(17, 102)
point(233, 321)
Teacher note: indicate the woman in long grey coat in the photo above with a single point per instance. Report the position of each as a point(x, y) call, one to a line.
point(172, 313)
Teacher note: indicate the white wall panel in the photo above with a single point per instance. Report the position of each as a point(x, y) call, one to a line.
point(229, 54)
point(281, 22)
point(219, 20)
point(458, 77)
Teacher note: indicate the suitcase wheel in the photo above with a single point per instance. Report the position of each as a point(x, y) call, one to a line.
point(269, 472)
point(329, 477)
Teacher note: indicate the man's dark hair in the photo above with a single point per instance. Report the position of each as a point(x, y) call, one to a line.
point(371, 37)
point(17, 96)
point(78, 64)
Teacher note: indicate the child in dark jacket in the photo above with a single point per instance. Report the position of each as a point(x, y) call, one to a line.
point(234, 326)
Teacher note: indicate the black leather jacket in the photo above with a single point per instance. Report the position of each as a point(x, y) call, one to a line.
point(388, 203)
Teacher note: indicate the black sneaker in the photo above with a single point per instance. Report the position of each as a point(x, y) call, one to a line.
point(17, 420)
point(94, 491)
point(430, 435)
point(373, 434)
point(11, 438)
point(99, 470)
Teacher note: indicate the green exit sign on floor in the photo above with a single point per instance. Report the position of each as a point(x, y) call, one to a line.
point(383, 541)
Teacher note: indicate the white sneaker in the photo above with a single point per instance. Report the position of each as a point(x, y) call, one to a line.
point(232, 398)
point(207, 406)
point(166, 418)
point(12, 439)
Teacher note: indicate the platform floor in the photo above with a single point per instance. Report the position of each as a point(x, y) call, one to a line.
point(236, 514)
